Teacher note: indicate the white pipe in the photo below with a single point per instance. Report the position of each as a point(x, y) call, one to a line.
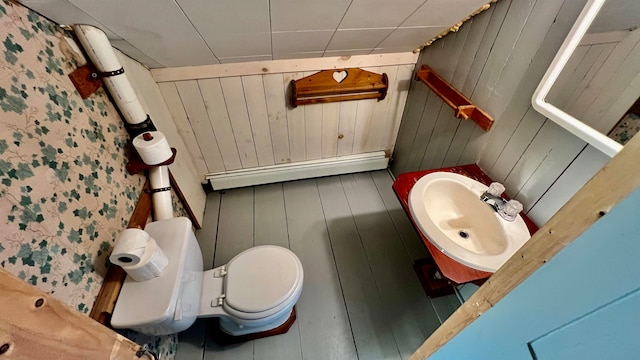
point(161, 197)
point(560, 117)
point(99, 49)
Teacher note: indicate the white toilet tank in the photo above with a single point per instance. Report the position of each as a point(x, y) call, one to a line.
point(169, 303)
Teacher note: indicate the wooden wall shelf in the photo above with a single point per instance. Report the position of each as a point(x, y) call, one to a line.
point(338, 85)
point(463, 107)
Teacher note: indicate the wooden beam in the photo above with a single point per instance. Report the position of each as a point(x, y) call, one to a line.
point(108, 294)
point(34, 325)
point(617, 179)
point(280, 66)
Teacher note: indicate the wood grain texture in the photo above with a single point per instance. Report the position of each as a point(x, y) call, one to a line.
point(38, 326)
point(617, 179)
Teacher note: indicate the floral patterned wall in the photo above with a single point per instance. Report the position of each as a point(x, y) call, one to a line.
point(64, 191)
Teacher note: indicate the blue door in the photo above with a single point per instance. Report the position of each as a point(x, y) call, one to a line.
point(584, 303)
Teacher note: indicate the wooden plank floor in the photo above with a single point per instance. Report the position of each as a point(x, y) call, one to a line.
point(361, 298)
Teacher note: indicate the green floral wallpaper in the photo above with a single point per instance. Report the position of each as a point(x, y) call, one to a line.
point(64, 191)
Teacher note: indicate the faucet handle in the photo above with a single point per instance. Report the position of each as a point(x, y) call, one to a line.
point(510, 210)
point(495, 189)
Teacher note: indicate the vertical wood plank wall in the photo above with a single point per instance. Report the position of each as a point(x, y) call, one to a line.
point(241, 122)
point(497, 60)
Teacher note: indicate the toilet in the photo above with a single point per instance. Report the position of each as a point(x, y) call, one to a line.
point(254, 292)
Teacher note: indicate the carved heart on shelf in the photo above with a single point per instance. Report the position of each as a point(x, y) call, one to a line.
point(338, 76)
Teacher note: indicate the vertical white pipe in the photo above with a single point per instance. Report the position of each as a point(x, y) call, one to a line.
point(97, 45)
point(161, 197)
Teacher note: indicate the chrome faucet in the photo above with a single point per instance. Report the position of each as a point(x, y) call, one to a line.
point(507, 210)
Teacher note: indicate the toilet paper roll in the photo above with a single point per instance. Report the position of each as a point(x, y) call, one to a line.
point(151, 265)
point(153, 147)
point(130, 247)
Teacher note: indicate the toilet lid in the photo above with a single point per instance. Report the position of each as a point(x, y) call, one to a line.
point(261, 278)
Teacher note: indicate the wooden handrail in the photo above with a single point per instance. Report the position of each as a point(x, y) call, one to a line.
point(463, 107)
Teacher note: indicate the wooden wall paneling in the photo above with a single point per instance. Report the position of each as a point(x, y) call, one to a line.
point(475, 143)
point(313, 128)
point(389, 263)
point(407, 132)
point(382, 121)
point(574, 71)
point(296, 122)
point(550, 152)
point(372, 334)
point(183, 126)
point(277, 114)
point(235, 228)
point(270, 224)
point(197, 113)
point(330, 122)
point(258, 116)
point(220, 122)
point(364, 115)
point(585, 165)
point(517, 145)
point(611, 100)
point(520, 103)
point(430, 111)
point(412, 243)
point(446, 124)
point(404, 77)
point(322, 317)
point(346, 128)
point(569, 105)
point(478, 25)
point(236, 103)
point(596, 84)
point(525, 22)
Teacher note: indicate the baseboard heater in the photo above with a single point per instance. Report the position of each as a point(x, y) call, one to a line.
point(299, 170)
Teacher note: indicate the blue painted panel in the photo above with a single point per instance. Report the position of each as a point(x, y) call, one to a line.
point(610, 332)
point(596, 269)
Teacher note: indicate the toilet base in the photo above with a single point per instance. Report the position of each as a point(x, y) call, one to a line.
point(223, 338)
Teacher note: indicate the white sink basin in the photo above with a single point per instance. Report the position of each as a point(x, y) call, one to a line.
point(448, 210)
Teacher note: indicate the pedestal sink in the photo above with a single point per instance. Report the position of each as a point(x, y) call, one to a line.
point(447, 208)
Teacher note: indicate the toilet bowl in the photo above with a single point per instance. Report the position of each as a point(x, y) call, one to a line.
point(254, 292)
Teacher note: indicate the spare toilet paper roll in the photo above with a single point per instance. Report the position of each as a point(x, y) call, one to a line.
point(151, 265)
point(153, 147)
point(130, 247)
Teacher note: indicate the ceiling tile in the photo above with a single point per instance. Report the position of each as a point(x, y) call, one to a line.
point(230, 60)
point(303, 55)
point(240, 44)
point(443, 12)
point(300, 41)
point(357, 39)
point(367, 14)
point(297, 15)
point(227, 16)
point(134, 53)
point(65, 13)
point(158, 28)
point(408, 39)
point(351, 52)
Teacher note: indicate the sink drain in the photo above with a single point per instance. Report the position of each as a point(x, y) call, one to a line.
point(463, 234)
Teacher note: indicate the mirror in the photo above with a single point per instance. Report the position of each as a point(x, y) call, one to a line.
point(592, 86)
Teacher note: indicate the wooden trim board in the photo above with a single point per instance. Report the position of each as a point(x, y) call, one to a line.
point(615, 181)
point(34, 325)
point(280, 66)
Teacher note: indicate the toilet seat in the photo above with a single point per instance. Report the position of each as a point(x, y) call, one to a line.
point(262, 281)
